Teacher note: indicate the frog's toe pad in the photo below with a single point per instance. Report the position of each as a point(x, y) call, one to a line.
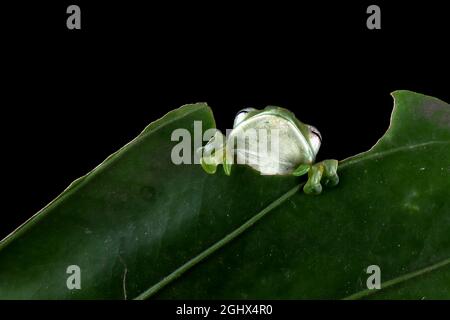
point(209, 166)
point(312, 188)
point(332, 181)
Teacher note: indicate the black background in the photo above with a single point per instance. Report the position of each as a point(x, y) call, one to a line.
point(288, 309)
point(72, 97)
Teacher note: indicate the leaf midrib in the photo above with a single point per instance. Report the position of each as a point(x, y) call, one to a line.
point(236, 232)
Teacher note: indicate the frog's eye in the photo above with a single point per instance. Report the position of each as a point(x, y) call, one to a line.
point(241, 115)
point(315, 138)
point(316, 132)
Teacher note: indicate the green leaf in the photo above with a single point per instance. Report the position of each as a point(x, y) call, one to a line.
point(141, 227)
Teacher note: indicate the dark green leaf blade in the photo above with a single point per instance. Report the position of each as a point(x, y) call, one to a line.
point(106, 222)
point(391, 209)
point(254, 236)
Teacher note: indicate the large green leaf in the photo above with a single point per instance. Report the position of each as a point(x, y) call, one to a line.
point(141, 227)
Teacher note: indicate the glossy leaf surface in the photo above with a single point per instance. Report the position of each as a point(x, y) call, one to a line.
point(139, 226)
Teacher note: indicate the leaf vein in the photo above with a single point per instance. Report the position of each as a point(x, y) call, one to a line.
point(235, 233)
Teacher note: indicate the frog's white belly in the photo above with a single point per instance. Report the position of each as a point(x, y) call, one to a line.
point(270, 144)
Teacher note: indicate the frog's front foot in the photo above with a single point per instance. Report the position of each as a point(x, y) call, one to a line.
point(326, 172)
point(213, 154)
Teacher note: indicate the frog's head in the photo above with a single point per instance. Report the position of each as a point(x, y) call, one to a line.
point(310, 133)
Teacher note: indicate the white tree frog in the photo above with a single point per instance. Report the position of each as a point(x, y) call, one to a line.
point(297, 146)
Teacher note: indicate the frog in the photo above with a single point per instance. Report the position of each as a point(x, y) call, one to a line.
point(297, 147)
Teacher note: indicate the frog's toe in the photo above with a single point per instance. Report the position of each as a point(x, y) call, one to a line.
point(330, 177)
point(310, 188)
point(209, 166)
point(331, 181)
